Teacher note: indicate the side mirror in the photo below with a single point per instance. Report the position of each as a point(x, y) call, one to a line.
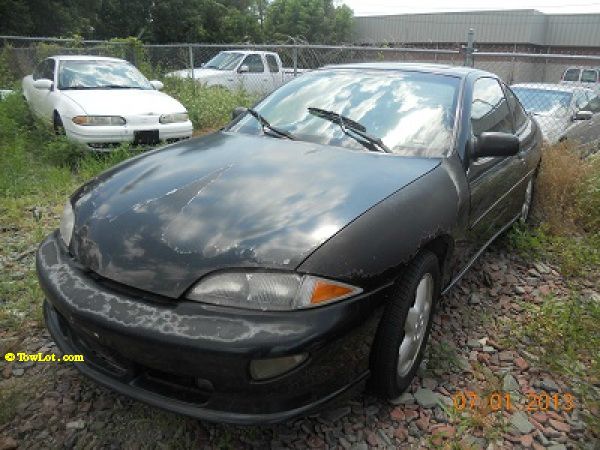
point(238, 111)
point(158, 85)
point(43, 84)
point(244, 69)
point(494, 143)
point(583, 115)
point(202, 65)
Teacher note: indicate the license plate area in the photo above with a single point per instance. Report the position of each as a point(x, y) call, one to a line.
point(145, 137)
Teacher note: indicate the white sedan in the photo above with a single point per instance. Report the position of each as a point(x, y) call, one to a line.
point(103, 101)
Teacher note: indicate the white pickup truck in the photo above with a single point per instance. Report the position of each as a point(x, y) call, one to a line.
point(256, 72)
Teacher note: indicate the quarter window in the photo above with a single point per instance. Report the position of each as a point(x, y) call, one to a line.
point(519, 114)
point(254, 63)
point(272, 62)
point(490, 111)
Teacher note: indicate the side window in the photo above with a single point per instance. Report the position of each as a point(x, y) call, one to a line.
point(519, 114)
point(490, 111)
point(589, 76)
point(48, 70)
point(272, 62)
point(254, 63)
point(38, 71)
point(571, 75)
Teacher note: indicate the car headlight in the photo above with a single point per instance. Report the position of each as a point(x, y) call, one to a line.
point(174, 118)
point(66, 223)
point(269, 290)
point(99, 120)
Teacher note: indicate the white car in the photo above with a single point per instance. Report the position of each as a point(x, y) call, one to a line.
point(103, 101)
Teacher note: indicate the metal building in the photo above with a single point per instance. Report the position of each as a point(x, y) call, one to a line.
point(522, 30)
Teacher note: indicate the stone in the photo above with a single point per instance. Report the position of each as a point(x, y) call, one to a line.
point(76, 425)
point(475, 299)
point(488, 349)
point(404, 399)
point(7, 443)
point(521, 423)
point(527, 441)
point(397, 414)
point(429, 383)
point(549, 385)
point(359, 446)
point(521, 363)
point(560, 426)
point(557, 447)
point(426, 398)
point(510, 384)
point(473, 343)
point(372, 439)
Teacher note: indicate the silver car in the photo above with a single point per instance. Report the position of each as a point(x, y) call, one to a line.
point(557, 108)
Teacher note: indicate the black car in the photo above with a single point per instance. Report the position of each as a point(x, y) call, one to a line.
point(259, 272)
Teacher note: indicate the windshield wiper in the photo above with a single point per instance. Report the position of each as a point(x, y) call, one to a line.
point(349, 126)
point(265, 124)
point(117, 86)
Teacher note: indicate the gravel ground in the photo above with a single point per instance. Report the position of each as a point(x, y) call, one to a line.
point(473, 348)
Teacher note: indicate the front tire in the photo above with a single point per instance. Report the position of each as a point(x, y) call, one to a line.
point(404, 328)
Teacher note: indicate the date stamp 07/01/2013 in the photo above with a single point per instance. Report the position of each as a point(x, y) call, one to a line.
point(503, 401)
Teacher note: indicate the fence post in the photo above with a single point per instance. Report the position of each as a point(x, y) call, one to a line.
point(295, 58)
point(191, 58)
point(470, 48)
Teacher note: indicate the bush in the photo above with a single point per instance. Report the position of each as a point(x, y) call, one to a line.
point(568, 190)
point(209, 107)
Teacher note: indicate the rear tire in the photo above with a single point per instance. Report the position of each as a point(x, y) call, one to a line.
point(404, 328)
point(57, 123)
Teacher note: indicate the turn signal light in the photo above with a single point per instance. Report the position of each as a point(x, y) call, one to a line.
point(325, 291)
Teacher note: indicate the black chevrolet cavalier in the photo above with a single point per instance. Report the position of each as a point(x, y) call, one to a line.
point(259, 272)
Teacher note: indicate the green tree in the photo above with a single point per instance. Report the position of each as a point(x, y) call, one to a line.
point(317, 21)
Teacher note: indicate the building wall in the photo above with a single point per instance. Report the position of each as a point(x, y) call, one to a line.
point(528, 27)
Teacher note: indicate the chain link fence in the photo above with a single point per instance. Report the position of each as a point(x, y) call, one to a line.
point(19, 56)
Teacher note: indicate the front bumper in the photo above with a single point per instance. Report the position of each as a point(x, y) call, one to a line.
point(96, 135)
point(193, 358)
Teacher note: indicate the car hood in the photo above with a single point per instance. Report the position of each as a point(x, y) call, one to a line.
point(123, 102)
point(160, 221)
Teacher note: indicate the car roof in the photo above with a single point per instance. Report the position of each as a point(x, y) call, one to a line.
point(457, 71)
point(85, 58)
point(551, 87)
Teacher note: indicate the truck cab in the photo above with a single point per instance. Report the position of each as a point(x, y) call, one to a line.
point(256, 72)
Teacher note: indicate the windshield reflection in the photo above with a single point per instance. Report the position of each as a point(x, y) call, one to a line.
point(224, 61)
point(413, 113)
point(100, 74)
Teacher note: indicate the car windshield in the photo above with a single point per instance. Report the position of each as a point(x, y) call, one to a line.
point(543, 102)
point(100, 74)
point(224, 61)
point(412, 113)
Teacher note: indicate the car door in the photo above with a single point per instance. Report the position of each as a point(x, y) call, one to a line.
point(256, 79)
point(492, 180)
